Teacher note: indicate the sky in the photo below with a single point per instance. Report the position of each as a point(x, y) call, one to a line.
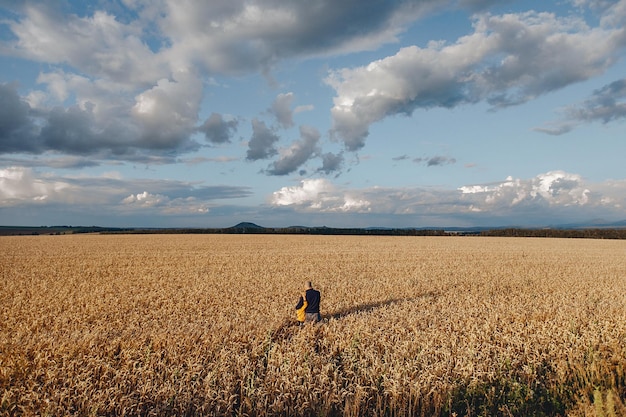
point(338, 113)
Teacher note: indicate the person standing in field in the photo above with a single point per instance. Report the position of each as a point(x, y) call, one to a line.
point(311, 298)
point(300, 312)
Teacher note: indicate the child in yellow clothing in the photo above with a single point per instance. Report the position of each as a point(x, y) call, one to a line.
point(300, 314)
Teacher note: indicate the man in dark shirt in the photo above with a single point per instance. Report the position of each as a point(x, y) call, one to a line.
point(312, 310)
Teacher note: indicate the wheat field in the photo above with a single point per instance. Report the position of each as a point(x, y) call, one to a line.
point(412, 326)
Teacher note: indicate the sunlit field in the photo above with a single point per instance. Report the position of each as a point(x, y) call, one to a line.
point(412, 326)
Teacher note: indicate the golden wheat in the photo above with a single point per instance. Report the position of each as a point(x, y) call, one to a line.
point(205, 325)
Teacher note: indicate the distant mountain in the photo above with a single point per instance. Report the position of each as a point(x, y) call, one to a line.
point(246, 225)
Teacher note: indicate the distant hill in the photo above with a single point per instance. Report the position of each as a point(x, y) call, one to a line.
point(247, 225)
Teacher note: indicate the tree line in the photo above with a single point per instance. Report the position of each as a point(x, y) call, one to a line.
point(559, 233)
point(250, 228)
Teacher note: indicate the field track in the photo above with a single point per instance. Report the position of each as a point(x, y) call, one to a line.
point(205, 325)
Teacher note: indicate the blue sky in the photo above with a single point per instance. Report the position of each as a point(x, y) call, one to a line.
point(349, 113)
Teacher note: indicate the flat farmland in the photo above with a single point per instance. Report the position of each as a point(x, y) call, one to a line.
point(412, 326)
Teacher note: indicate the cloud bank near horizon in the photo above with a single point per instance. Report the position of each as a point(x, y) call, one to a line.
point(545, 196)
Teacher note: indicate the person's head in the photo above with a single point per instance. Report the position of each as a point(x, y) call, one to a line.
point(308, 285)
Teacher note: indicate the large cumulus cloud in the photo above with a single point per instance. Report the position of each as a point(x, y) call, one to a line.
point(507, 60)
point(159, 120)
point(168, 112)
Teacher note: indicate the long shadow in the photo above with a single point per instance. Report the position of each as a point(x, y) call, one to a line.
point(367, 307)
point(288, 328)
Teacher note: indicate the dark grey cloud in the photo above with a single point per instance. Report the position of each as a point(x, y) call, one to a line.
point(71, 162)
point(206, 192)
point(331, 162)
point(429, 161)
point(18, 132)
point(252, 35)
point(116, 188)
point(218, 130)
point(327, 22)
point(437, 160)
point(74, 131)
point(605, 105)
point(479, 5)
point(262, 143)
point(401, 158)
point(61, 162)
point(71, 130)
point(299, 152)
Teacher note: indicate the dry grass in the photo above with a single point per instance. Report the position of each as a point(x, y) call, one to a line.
point(205, 325)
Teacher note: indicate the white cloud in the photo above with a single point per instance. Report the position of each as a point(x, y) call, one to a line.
point(309, 192)
point(556, 188)
point(303, 108)
point(98, 45)
point(559, 187)
point(163, 204)
point(508, 60)
point(145, 199)
point(169, 110)
point(281, 109)
point(320, 195)
point(323, 195)
point(355, 204)
point(109, 103)
point(19, 184)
